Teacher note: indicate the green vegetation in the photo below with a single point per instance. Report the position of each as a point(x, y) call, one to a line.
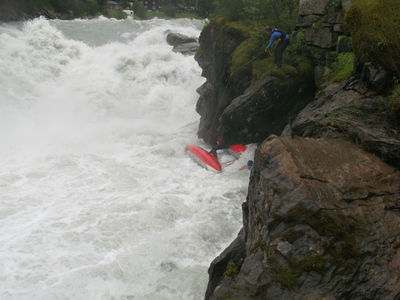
point(375, 26)
point(283, 12)
point(140, 10)
point(250, 61)
point(79, 8)
point(115, 13)
point(342, 69)
point(231, 269)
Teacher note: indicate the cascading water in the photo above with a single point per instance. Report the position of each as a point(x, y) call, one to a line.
point(98, 199)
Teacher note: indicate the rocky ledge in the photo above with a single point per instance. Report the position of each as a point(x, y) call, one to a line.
point(321, 221)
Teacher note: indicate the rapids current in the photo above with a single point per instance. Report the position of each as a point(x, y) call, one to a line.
point(98, 199)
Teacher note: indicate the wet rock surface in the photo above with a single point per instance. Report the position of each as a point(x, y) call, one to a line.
point(263, 109)
point(349, 110)
point(320, 222)
point(182, 43)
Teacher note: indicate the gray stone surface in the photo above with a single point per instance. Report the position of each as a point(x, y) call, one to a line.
point(312, 7)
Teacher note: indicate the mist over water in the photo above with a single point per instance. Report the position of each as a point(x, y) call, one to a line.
point(98, 199)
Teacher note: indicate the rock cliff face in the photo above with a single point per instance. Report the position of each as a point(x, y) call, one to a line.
point(321, 221)
point(322, 215)
point(323, 24)
point(349, 110)
point(238, 109)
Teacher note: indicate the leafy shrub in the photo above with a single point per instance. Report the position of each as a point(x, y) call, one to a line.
point(375, 27)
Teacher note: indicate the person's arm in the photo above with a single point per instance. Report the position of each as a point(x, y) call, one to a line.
point(272, 40)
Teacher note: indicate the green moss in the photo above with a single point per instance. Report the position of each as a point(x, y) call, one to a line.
point(288, 276)
point(375, 28)
point(260, 244)
point(231, 269)
point(299, 68)
point(342, 69)
point(242, 27)
point(241, 59)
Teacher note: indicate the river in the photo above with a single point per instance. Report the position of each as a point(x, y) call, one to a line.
point(98, 199)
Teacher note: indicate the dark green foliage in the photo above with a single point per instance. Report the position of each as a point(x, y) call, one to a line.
point(232, 9)
point(279, 13)
point(140, 10)
point(205, 7)
point(77, 8)
point(375, 27)
point(115, 13)
point(170, 10)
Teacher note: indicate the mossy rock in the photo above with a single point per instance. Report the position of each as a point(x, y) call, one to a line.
point(394, 106)
point(241, 59)
point(299, 67)
point(375, 28)
point(242, 28)
point(287, 276)
point(231, 269)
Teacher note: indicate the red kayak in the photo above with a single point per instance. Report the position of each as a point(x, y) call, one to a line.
point(237, 150)
point(204, 158)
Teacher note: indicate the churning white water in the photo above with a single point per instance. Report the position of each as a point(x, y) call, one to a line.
point(98, 199)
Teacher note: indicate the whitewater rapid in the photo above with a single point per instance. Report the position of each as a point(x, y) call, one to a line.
point(98, 199)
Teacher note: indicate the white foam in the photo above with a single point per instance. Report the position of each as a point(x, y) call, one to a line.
point(98, 199)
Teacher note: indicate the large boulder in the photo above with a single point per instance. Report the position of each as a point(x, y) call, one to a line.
point(321, 221)
point(215, 60)
point(186, 48)
point(346, 110)
point(182, 43)
point(264, 109)
point(175, 39)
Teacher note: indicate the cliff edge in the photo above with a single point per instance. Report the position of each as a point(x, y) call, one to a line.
point(322, 215)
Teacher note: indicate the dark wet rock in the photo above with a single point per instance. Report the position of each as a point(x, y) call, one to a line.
point(175, 39)
point(377, 78)
point(186, 48)
point(317, 224)
point(350, 111)
point(182, 43)
point(320, 37)
point(264, 109)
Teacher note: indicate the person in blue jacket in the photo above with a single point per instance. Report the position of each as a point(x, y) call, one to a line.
point(283, 39)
